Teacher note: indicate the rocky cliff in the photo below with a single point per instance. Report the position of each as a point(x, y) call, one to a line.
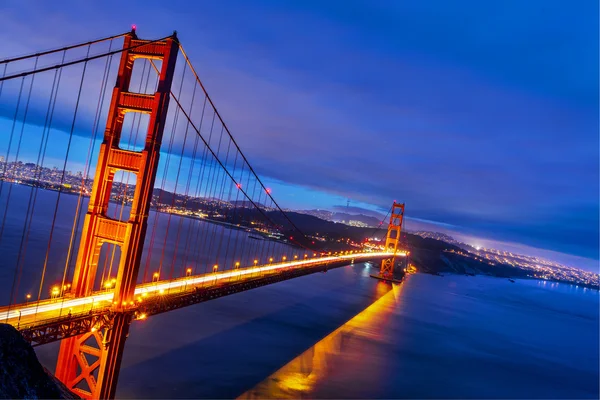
point(21, 374)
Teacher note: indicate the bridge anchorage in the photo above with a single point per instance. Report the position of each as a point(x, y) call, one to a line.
point(392, 241)
point(225, 236)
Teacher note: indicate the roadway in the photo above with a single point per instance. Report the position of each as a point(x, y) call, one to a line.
point(34, 313)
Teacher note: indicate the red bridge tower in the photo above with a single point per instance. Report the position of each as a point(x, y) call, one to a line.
point(89, 364)
point(392, 240)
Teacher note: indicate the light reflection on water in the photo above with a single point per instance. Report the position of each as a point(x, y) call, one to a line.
point(341, 352)
point(431, 337)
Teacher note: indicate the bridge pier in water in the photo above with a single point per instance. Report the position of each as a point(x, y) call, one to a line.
point(97, 378)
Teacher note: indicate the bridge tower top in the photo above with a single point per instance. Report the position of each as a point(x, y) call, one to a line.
point(392, 238)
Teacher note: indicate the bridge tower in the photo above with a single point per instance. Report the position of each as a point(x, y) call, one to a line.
point(392, 240)
point(89, 364)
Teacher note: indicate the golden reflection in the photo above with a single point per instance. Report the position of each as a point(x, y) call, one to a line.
point(299, 377)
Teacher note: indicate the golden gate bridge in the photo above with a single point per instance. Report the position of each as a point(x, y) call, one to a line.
point(167, 210)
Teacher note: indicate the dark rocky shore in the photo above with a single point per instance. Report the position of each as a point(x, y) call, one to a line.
point(21, 374)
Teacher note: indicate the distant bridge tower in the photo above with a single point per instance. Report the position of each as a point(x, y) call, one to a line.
point(392, 240)
point(89, 364)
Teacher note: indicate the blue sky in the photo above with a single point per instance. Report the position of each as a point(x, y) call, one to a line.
point(481, 115)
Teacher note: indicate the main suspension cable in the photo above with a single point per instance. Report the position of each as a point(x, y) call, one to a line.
point(233, 140)
point(74, 46)
point(81, 60)
point(227, 171)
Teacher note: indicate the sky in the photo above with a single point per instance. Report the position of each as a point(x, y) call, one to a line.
point(481, 116)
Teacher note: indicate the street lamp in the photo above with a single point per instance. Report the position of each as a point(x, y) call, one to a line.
point(284, 258)
point(155, 277)
point(55, 292)
point(270, 260)
point(188, 272)
point(236, 268)
point(28, 297)
point(215, 268)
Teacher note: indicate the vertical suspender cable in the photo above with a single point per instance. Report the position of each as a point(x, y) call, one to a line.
point(64, 171)
point(17, 275)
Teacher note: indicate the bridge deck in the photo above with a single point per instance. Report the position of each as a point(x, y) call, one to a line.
point(54, 319)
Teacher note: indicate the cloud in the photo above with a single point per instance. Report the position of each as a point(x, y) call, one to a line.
point(483, 117)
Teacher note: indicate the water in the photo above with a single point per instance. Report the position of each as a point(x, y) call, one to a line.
point(344, 335)
point(170, 251)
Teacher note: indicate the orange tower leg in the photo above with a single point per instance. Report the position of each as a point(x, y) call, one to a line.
point(89, 364)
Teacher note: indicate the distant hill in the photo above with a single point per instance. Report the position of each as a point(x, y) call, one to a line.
point(339, 216)
point(366, 219)
point(246, 203)
point(428, 254)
